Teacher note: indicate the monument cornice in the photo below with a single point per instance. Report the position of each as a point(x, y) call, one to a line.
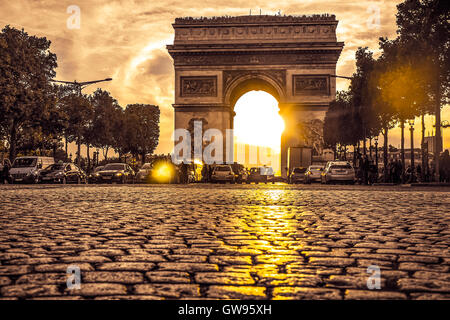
point(255, 19)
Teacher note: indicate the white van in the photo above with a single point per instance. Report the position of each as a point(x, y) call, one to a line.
point(27, 169)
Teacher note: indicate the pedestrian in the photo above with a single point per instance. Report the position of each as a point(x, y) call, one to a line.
point(365, 169)
point(184, 172)
point(390, 171)
point(446, 166)
point(5, 171)
point(419, 173)
point(205, 173)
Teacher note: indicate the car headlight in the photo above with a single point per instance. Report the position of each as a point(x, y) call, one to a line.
point(118, 174)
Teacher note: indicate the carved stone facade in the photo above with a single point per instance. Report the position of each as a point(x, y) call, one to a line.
point(311, 85)
point(199, 86)
point(219, 59)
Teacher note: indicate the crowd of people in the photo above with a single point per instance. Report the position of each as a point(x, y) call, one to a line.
point(368, 173)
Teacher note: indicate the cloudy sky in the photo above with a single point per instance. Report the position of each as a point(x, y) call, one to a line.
point(126, 39)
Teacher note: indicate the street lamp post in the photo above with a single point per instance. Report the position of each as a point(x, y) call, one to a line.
point(80, 86)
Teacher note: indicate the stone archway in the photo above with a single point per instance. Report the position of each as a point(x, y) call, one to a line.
point(219, 59)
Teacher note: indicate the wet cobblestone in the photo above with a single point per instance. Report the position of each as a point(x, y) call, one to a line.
point(224, 242)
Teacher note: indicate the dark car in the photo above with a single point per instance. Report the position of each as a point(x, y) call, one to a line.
point(93, 177)
point(116, 172)
point(297, 175)
point(62, 173)
point(241, 172)
point(261, 174)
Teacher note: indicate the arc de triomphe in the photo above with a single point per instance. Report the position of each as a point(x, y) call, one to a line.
point(218, 59)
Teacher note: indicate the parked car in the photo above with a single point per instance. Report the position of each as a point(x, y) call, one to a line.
point(313, 173)
point(116, 172)
point(144, 173)
point(223, 173)
point(261, 174)
point(63, 173)
point(297, 175)
point(338, 171)
point(93, 177)
point(27, 169)
point(241, 172)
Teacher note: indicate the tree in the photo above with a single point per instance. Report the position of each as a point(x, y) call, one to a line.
point(79, 110)
point(423, 25)
point(141, 128)
point(361, 99)
point(26, 99)
point(339, 123)
point(106, 118)
point(384, 112)
point(403, 84)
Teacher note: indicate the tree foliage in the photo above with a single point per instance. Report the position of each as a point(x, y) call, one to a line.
point(27, 100)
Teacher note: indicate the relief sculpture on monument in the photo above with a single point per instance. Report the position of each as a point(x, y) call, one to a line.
point(198, 86)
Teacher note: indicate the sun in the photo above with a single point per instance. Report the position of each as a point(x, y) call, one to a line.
point(257, 121)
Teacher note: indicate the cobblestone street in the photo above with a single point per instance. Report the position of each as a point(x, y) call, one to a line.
point(224, 241)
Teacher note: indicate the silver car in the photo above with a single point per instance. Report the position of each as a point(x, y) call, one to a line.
point(223, 173)
point(338, 171)
point(314, 173)
point(144, 173)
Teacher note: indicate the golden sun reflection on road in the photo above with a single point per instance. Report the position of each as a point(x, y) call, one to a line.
point(267, 240)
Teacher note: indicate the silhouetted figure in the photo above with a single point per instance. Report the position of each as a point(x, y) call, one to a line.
point(398, 171)
point(419, 173)
point(205, 173)
point(5, 172)
point(444, 167)
point(184, 173)
point(365, 169)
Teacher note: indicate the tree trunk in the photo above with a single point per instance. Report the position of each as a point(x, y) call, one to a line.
point(364, 143)
point(65, 140)
point(354, 155)
point(402, 147)
point(385, 153)
point(105, 152)
point(437, 136)
point(79, 151)
point(422, 144)
point(370, 147)
point(13, 141)
point(143, 157)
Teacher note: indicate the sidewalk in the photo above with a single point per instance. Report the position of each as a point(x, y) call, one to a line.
point(416, 184)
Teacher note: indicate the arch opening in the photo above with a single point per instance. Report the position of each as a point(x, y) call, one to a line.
point(257, 130)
